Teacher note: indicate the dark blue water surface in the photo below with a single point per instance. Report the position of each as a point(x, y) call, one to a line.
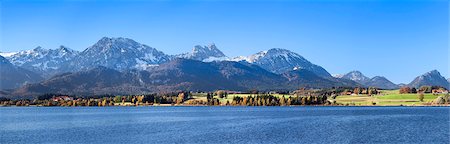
point(224, 125)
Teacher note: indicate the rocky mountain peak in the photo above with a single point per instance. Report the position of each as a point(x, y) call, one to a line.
point(431, 78)
point(278, 60)
point(120, 54)
point(356, 76)
point(433, 73)
point(38, 48)
point(204, 53)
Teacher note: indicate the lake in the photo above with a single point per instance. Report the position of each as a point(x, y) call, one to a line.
point(224, 125)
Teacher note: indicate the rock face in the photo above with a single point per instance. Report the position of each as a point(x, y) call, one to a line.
point(377, 81)
point(117, 53)
point(432, 78)
point(13, 77)
point(43, 61)
point(204, 53)
point(279, 61)
point(178, 74)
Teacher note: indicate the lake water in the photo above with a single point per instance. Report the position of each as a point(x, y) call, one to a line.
point(224, 125)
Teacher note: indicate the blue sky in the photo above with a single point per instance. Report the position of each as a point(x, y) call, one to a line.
point(398, 39)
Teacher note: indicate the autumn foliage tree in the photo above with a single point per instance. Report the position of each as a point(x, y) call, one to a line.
point(405, 90)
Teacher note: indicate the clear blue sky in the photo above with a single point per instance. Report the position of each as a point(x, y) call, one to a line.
point(398, 39)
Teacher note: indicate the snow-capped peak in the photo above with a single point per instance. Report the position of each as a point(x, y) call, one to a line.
point(338, 75)
point(7, 54)
point(356, 76)
point(250, 59)
point(204, 53)
point(280, 60)
point(120, 54)
point(274, 52)
point(115, 44)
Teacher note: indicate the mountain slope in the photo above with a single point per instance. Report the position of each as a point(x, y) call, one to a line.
point(432, 78)
point(182, 74)
point(178, 74)
point(99, 80)
point(204, 53)
point(279, 61)
point(14, 77)
point(118, 53)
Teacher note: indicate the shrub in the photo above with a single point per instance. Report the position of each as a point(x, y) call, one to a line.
point(421, 96)
point(439, 100)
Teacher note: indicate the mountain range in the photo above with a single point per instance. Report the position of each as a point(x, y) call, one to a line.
point(179, 74)
point(122, 65)
point(431, 78)
point(42, 61)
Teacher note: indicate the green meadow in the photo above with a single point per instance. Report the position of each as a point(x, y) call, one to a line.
point(386, 98)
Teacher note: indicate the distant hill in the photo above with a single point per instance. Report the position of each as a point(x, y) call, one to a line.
point(432, 78)
point(304, 78)
point(377, 81)
point(381, 82)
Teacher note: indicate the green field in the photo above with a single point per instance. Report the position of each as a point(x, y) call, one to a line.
point(386, 98)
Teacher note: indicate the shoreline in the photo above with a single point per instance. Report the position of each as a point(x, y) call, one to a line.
point(165, 105)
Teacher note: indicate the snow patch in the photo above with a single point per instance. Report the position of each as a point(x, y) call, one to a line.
point(8, 54)
point(143, 65)
point(149, 56)
point(211, 59)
